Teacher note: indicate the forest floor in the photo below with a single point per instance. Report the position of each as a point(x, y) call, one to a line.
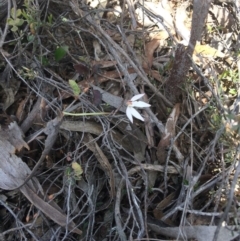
point(124, 119)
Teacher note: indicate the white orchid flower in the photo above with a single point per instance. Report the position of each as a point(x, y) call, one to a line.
point(134, 103)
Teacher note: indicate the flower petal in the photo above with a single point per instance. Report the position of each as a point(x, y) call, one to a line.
point(140, 104)
point(129, 113)
point(136, 114)
point(136, 97)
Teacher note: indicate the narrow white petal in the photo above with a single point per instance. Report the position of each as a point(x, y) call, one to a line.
point(136, 97)
point(136, 114)
point(129, 113)
point(140, 104)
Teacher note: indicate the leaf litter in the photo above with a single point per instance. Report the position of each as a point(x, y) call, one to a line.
point(104, 177)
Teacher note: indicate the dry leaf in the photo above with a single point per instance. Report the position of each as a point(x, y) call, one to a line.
point(104, 63)
point(201, 233)
point(10, 86)
point(158, 211)
point(51, 210)
point(13, 170)
point(82, 69)
point(97, 97)
point(112, 100)
point(158, 9)
point(97, 50)
point(96, 129)
point(149, 50)
point(208, 51)
point(15, 136)
point(93, 146)
point(13, 173)
point(224, 17)
point(168, 135)
point(180, 17)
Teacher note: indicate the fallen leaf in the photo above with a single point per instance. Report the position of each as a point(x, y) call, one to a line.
point(82, 69)
point(162, 11)
point(104, 63)
point(149, 50)
point(224, 17)
point(102, 159)
point(158, 212)
point(168, 135)
point(208, 51)
point(15, 136)
point(201, 233)
point(97, 97)
point(181, 16)
point(112, 100)
point(74, 86)
point(13, 173)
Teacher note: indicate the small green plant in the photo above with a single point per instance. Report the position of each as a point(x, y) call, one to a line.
point(74, 86)
point(60, 52)
point(15, 21)
point(50, 20)
point(230, 75)
point(44, 60)
point(73, 173)
point(32, 16)
point(77, 170)
point(28, 73)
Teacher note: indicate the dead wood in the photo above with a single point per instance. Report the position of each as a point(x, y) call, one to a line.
point(182, 62)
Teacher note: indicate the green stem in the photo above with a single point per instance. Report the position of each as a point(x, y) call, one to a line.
point(85, 114)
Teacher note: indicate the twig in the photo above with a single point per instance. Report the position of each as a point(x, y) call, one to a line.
point(230, 198)
point(6, 25)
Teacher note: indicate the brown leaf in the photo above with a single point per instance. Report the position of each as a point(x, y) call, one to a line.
point(49, 210)
point(169, 134)
point(96, 129)
point(154, 74)
point(94, 147)
point(223, 16)
point(15, 136)
point(97, 97)
point(149, 50)
point(13, 172)
point(104, 63)
point(82, 69)
point(10, 85)
point(158, 212)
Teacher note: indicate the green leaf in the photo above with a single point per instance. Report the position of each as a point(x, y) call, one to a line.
point(14, 28)
point(50, 19)
point(10, 21)
point(60, 52)
point(18, 12)
point(233, 91)
point(77, 170)
point(44, 60)
point(30, 38)
point(75, 88)
point(19, 22)
point(15, 14)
